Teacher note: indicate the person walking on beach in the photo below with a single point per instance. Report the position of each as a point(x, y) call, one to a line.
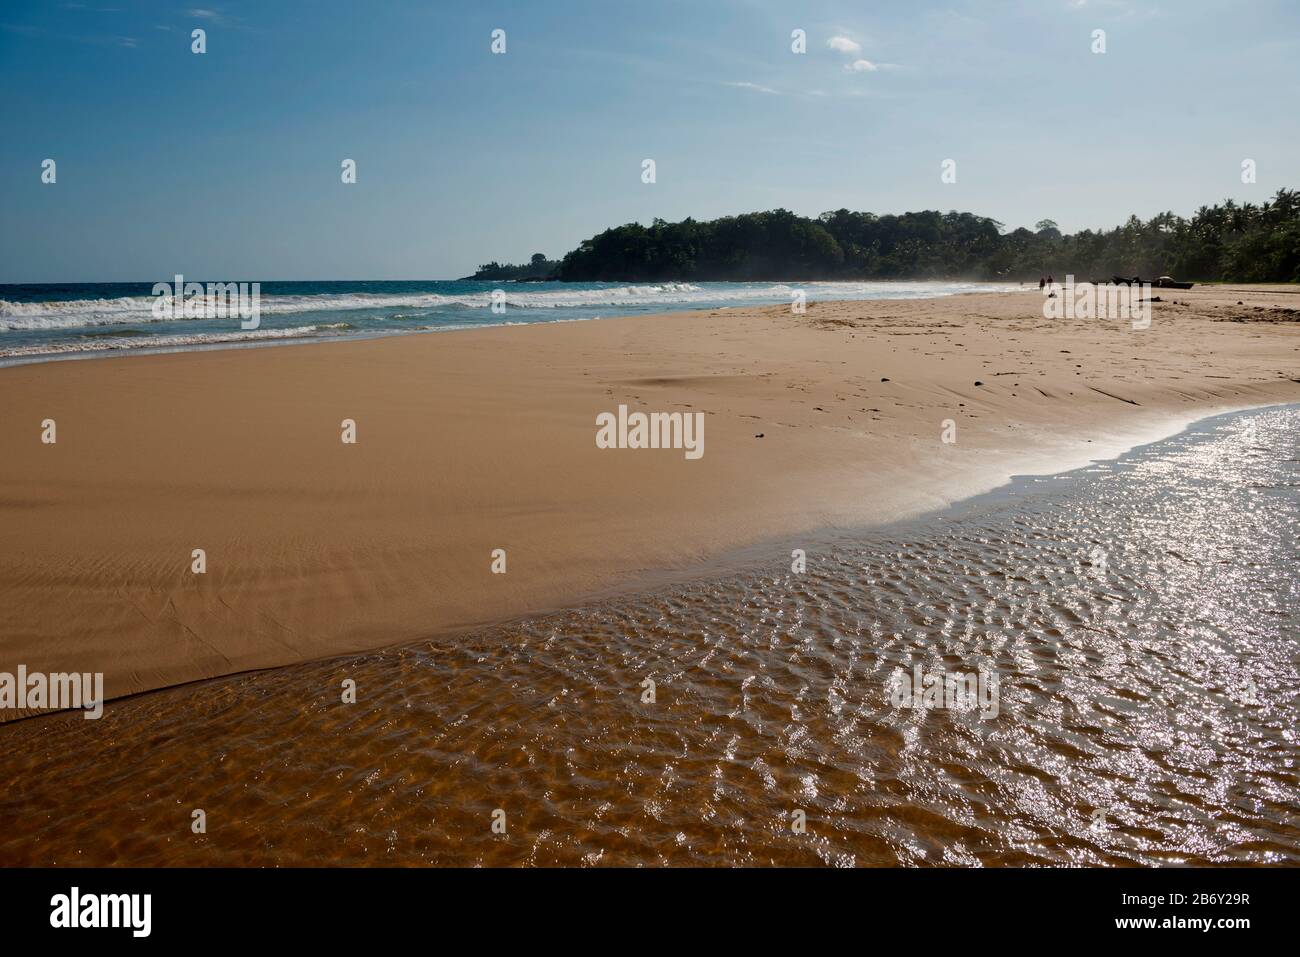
point(1041, 283)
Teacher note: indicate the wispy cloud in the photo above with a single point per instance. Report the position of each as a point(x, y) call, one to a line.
point(1119, 8)
point(756, 87)
point(811, 94)
point(844, 45)
point(861, 66)
point(216, 17)
point(30, 31)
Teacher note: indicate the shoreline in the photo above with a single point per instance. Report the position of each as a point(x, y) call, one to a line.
point(743, 560)
point(131, 340)
point(751, 665)
point(485, 440)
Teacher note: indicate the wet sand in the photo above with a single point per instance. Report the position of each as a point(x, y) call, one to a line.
point(1142, 616)
point(477, 440)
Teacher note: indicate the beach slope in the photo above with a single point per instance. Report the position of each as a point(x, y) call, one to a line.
point(472, 441)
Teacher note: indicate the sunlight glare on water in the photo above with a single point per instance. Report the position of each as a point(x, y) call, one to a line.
point(1140, 615)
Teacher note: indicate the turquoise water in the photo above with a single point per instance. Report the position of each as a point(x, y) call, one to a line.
point(51, 320)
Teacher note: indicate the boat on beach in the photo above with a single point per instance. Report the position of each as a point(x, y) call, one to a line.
point(1164, 282)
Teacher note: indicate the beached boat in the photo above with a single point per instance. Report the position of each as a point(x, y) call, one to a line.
point(1164, 282)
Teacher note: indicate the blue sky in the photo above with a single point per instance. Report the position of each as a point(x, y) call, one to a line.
point(226, 165)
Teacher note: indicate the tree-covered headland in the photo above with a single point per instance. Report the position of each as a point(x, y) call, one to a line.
point(1227, 242)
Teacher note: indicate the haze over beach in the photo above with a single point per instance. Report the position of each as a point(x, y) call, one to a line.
point(742, 434)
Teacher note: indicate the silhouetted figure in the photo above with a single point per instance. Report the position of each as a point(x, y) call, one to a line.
point(1041, 283)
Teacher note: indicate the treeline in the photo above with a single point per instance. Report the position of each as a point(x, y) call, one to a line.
point(538, 268)
point(1247, 243)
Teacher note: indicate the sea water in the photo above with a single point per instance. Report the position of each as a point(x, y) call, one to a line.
point(51, 320)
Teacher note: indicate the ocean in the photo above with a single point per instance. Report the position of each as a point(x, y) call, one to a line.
point(46, 321)
point(1140, 618)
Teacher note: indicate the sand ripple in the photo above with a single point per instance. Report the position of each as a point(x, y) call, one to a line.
point(1141, 615)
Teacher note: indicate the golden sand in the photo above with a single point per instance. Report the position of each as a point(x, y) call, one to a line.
point(471, 441)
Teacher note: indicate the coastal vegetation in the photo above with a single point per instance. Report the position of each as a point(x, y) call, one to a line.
point(537, 268)
point(1225, 242)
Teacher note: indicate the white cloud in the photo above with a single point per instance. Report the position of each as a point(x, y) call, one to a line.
point(757, 88)
point(215, 16)
point(861, 66)
point(844, 45)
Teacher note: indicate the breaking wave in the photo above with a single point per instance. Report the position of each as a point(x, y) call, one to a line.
point(80, 313)
point(134, 340)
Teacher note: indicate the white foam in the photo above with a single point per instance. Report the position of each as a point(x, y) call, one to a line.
point(166, 342)
point(132, 310)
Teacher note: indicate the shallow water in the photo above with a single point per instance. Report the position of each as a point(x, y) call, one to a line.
point(1141, 616)
point(46, 321)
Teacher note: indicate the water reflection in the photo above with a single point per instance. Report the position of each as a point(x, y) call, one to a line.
point(1140, 615)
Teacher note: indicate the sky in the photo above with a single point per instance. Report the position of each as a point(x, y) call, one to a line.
point(226, 165)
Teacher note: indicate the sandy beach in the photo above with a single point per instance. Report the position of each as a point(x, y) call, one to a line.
point(471, 441)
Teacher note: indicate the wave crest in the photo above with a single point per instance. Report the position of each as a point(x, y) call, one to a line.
point(82, 313)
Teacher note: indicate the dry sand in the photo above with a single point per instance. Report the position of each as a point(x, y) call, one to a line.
point(475, 440)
